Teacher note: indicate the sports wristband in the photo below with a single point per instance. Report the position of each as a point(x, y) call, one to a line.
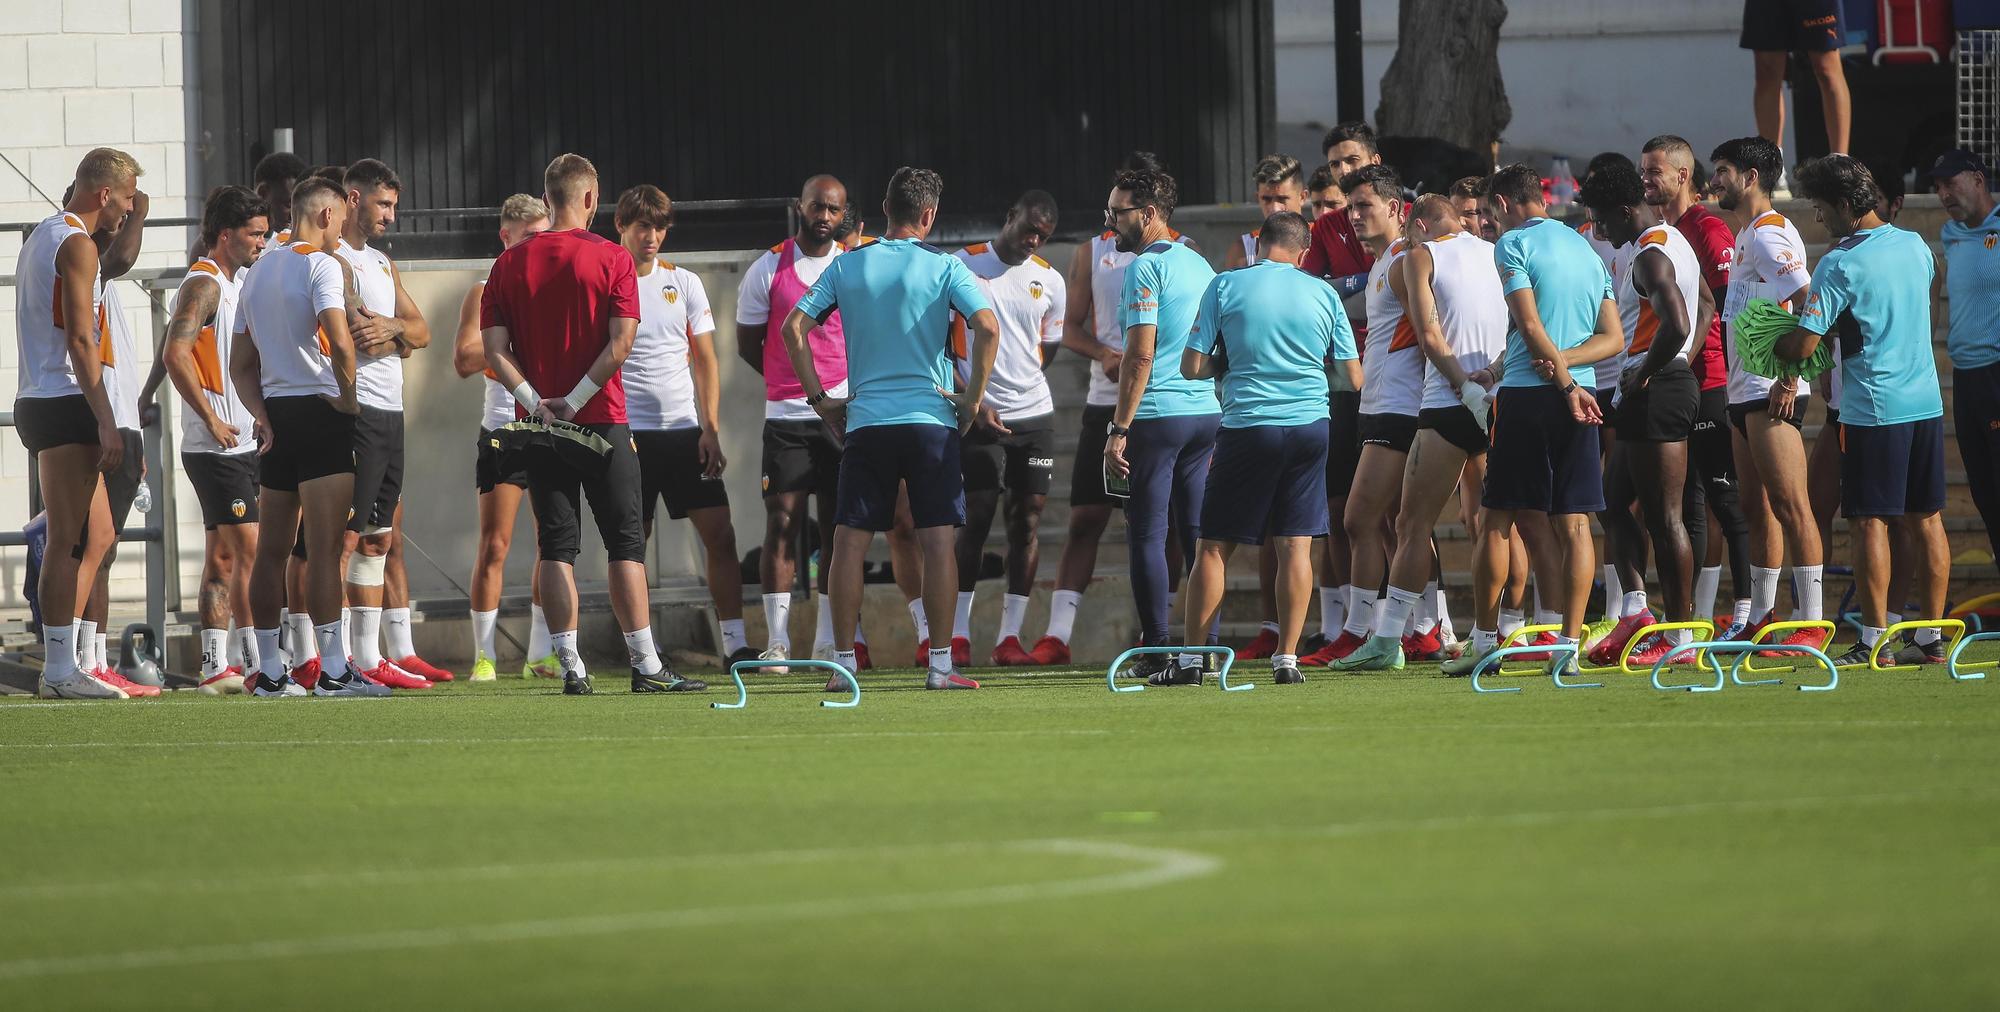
point(585, 390)
point(526, 396)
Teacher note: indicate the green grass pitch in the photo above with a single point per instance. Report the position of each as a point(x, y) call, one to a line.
point(1362, 841)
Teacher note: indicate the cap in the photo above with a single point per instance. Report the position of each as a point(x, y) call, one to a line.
point(1955, 161)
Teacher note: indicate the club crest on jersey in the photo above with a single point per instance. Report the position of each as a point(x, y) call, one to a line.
point(1991, 239)
point(672, 293)
point(1035, 287)
point(238, 508)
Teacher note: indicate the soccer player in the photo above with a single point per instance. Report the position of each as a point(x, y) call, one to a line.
point(673, 400)
point(1666, 168)
point(1267, 330)
point(293, 366)
point(1012, 444)
point(1770, 451)
point(500, 486)
point(274, 178)
point(387, 326)
point(572, 298)
point(1775, 29)
point(1872, 292)
point(1661, 304)
point(218, 450)
point(801, 458)
point(902, 425)
point(1323, 194)
point(63, 411)
point(1091, 329)
point(1972, 282)
point(1163, 429)
point(1459, 316)
point(1542, 465)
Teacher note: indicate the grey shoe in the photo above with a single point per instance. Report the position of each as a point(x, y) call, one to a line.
point(350, 685)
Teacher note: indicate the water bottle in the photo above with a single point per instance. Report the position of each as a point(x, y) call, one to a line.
point(142, 500)
point(1562, 184)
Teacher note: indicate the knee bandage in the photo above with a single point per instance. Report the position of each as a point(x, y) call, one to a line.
point(366, 570)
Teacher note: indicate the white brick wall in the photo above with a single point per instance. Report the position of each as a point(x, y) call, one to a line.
point(77, 74)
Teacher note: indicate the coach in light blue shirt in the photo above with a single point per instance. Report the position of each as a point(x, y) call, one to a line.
point(1972, 280)
point(902, 422)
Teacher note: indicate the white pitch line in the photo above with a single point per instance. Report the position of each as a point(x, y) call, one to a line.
point(690, 738)
point(1158, 866)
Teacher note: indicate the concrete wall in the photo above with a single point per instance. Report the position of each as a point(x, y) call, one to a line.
point(78, 74)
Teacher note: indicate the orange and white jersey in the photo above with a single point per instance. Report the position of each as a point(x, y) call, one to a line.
point(497, 408)
point(1029, 299)
point(1770, 263)
point(123, 376)
point(1636, 311)
point(1107, 290)
point(279, 308)
point(1471, 308)
point(378, 382)
point(1392, 365)
point(45, 368)
point(211, 362)
point(1249, 241)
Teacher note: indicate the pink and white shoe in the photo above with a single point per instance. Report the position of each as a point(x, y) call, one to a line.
point(131, 688)
point(227, 682)
point(389, 674)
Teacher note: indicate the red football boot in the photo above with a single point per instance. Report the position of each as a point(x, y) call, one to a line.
point(1261, 646)
point(1423, 646)
point(423, 669)
point(1050, 651)
point(1346, 643)
point(1008, 654)
point(1607, 650)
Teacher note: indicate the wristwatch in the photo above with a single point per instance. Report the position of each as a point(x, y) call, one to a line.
point(813, 401)
point(1571, 388)
point(1115, 429)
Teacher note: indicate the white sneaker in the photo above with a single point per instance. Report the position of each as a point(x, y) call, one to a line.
point(261, 685)
point(81, 687)
point(825, 652)
point(351, 685)
point(776, 652)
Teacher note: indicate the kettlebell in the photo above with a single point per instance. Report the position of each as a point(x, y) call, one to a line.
point(139, 655)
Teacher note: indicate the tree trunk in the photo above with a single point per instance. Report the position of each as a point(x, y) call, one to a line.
point(1445, 79)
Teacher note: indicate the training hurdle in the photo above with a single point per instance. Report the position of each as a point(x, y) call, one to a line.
point(1742, 649)
point(1222, 676)
point(743, 694)
point(1623, 667)
point(1968, 611)
point(1496, 657)
point(1958, 672)
point(1744, 660)
point(1951, 625)
point(1513, 639)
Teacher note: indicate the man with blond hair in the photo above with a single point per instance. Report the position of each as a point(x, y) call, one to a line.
point(63, 411)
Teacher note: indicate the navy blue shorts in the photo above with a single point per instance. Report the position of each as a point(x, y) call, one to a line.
point(878, 459)
point(1266, 480)
point(1892, 470)
point(1542, 458)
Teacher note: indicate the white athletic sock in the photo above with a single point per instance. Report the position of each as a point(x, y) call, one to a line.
point(1706, 583)
point(1742, 614)
point(103, 649)
point(1763, 592)
point(87, 659)
point(234, 655)
point(1484, 640)
point(483, 625)
point(346, 636)
point(563, 646)
point(1870, 635)
point(59, 645)
point(1441, 609)
point(940, 658)
point(1614, 594)
point(365, 626)
point(1510, 620)
point(1548, 617)
point(1269, 627)
point(778, 620)
point(733, 638)
point(1284, 660)
point(860, 634)
point(1394, 612)
point(538, 633)
point(1360, 611)
point(1679, 637)
point(1924, 637)
point(961, 622)
point(1635, 602)
point(303, 646)
point(398, 639)
point(327, 639)
point(1063, 605)
point(846, 659)
point(639, 647)
point(1013, 608)
point(1427, 608)
point(214, 652)
point(270, 659)
point(1333, 609)
point(249, 652)
point(1810, 582)
point(823, 626)
point(918, 620)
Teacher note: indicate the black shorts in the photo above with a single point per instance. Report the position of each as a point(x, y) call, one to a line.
point(801, 457)
point(378, 469)
point(122, 486)
point(226, 486)
point(1606, 406)
point(309, 440)
point(1086, 475)
point(1458, 426)
point(1739, 414)
point(1792, 26)
point(1662, 411)
point(1892, 470)
point(1396, 432)
point(555, 488)
point(670, 469)
point(1343, 441)
point(48, 422)
point(880, 459)
point(1542, 458)
point(1023, 461)
point(1260, 483)
point(489, 473)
